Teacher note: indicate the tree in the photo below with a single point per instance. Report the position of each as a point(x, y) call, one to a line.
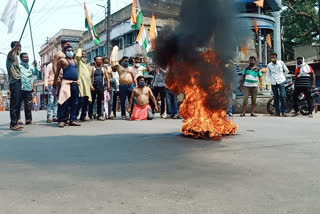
point(301, 24)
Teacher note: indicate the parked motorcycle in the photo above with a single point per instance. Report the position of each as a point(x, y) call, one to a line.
point(302, 101)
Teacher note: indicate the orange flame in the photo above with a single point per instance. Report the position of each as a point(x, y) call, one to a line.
point(200, 121)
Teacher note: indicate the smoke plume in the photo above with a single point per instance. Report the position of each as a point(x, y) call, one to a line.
point(203, 24)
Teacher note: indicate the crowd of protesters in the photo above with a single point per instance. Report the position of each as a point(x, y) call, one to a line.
point(79, 91)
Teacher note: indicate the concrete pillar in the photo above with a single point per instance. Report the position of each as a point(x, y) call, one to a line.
point(238, 59)
point(260, 49)
point(266, 52)
point(277, 34)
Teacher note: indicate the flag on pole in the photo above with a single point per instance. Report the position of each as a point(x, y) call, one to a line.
point(90, 27)
point(25, 5)
point(143, 39)
point(269, 40)
point(259, 3)
point(136, 16)
point(244, 50)
point(255, 26)
point(153, 32)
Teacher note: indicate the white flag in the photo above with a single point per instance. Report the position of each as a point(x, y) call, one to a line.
point(9, 15)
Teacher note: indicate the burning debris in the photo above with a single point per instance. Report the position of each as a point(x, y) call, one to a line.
point(202, 76)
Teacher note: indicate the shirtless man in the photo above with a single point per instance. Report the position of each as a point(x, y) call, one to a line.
point(127, 81)
point(142, 94)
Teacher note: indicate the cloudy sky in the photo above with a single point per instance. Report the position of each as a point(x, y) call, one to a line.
point(48, 17)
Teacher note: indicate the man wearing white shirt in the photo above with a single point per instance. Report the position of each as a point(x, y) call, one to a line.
point(276, 75)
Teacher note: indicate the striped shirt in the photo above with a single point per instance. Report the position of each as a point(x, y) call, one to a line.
point(252, 75)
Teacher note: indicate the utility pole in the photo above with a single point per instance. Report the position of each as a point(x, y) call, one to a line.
point(107, 27)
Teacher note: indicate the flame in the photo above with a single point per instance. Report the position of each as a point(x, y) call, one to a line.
point(200, 121)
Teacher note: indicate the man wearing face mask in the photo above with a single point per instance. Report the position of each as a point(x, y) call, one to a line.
point(99, 80)
point(142, 109)
point(305, 80)
point(69, 90)
point(57, 56)
point(276, 75)
point(27, 73)
point(127, 81)
point(249, 84)
point(14, 73)
point(85, 83)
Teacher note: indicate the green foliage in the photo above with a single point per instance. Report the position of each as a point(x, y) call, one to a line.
point(300, 21)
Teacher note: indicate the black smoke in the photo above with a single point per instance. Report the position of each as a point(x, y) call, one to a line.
point(203, 24)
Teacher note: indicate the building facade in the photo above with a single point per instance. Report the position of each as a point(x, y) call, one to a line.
point(47, 52)
point(166, 12)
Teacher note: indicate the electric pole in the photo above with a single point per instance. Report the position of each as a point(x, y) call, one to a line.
point(107, 27)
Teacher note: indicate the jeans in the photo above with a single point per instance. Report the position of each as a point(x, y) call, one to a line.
point(116, 94)
point(15, 102)
point(172, 103)
point(83, 105)
point(110, 103)
point(26, 98)
point(230, 110)
point(125, 91)
point(52, 103)
point(279, 93)
point(307, 93)
point(73, 102)
point(99, 96)
point(162, 92)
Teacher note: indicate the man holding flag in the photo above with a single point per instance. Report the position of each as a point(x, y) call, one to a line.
point(14, 74)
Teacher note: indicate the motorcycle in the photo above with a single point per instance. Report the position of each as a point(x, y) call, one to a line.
point(302, 101)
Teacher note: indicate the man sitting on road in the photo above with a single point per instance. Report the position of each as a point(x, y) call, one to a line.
point(142, 109)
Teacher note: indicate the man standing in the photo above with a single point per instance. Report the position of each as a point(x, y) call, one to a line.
point(141, 109)
point(59, 55)
point(108, 95)
point(276, 76)
point(249, 84)
point(69, 89)
point(305, 80)
point(159, 87)
point(85, 84)
point(127, 81)
point(99, 79)
point(114, 84)
point(27, 73)
point(52, 94)
point(14, 74)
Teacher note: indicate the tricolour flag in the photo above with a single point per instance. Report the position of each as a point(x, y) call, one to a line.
point(255, 26)
point(153, 32)
point(269, 40)
point(259, 3)
point(136, 16)
point(143, 39)
point(9, 15)
point(90, 27)
point(244, 50)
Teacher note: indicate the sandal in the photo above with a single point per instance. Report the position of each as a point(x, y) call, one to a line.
point(253, 115)
point(243, 115)
point(16, 128)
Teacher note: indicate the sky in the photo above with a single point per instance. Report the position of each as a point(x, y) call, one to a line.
point(47, 18)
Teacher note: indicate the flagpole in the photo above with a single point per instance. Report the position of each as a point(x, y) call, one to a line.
point(34, 56)
point(27, 21)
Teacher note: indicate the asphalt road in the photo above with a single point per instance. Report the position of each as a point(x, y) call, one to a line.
point(270, 166)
